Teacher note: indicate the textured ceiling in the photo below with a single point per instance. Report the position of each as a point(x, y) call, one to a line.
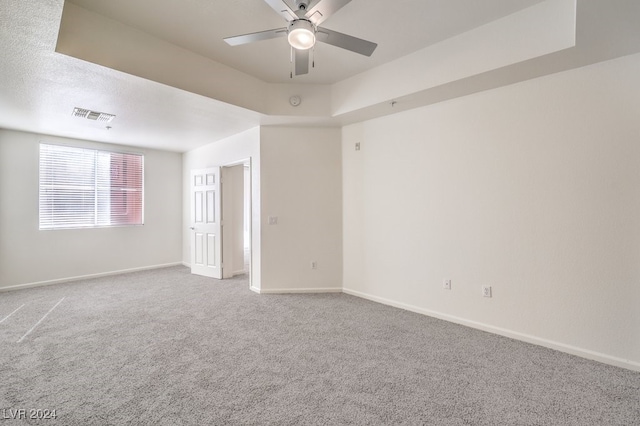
point(39, 89)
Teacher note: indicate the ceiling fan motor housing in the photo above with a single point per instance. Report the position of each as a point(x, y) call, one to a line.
point(302, 4)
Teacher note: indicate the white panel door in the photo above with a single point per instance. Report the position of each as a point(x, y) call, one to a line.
point(206, 235)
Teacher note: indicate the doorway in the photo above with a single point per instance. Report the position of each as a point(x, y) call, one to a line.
point(221, 245)
point(236, 219)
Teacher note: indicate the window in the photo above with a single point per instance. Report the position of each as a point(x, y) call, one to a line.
point(87, 188)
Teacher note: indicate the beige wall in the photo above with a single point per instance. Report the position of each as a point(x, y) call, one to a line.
point(28, 255)
point(532, 189)
point(302, 187)
point(296, 176)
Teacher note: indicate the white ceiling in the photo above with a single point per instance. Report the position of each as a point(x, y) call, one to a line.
point(155, 109)
point(399, 27)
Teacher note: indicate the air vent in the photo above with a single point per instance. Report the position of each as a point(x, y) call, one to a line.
point(101, 117)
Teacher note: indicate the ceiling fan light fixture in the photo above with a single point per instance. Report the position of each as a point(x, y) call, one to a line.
point(302, 35)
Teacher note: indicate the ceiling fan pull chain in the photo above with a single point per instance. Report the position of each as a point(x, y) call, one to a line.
point(291, 63)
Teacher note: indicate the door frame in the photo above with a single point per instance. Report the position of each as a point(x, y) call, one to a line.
point(241, 162)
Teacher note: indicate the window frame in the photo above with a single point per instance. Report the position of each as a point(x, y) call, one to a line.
point(139, 210)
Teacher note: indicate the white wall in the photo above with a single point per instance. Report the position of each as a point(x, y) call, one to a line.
point(231, 150)
point(28, 255)
point(531, 188)
point(538, 30)
point(302, 187)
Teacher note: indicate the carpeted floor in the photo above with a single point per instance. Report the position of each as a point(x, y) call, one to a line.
point(165, 347)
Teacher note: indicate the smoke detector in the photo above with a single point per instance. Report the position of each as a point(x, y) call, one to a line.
point(101, 117)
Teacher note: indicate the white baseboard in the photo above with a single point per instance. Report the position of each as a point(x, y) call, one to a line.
point(584, 353)
point(297, 290)
point(186, 264)
point(85, 277)
point(573, 350)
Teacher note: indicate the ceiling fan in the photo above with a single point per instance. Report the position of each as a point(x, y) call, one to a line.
point(303, 31)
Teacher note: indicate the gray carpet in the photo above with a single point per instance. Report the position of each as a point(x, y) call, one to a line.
point(164, 347)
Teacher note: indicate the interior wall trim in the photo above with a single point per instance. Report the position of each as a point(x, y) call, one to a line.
point(84, 277)
point(297, 290)
point(562, 347)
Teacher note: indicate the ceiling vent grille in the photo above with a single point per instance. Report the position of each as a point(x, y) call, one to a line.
point(101, 117)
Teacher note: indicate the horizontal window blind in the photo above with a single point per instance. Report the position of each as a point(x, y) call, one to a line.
point(84, 188)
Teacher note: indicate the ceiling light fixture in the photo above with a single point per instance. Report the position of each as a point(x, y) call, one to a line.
point(302, 35)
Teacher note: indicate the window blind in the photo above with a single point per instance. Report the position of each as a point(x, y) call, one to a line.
point(85, 188)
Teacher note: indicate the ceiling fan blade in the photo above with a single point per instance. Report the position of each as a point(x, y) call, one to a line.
point(250, 38)
point(301, 61)
point(282, 9)
point(323, 9)
point(345, 41)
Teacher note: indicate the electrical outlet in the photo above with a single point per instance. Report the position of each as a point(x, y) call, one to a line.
point(486, 291)
point(273, 220)
point(446, 284)
point(314, 265)
point(357, 146)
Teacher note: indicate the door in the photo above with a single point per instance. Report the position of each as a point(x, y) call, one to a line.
point(206, 235)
